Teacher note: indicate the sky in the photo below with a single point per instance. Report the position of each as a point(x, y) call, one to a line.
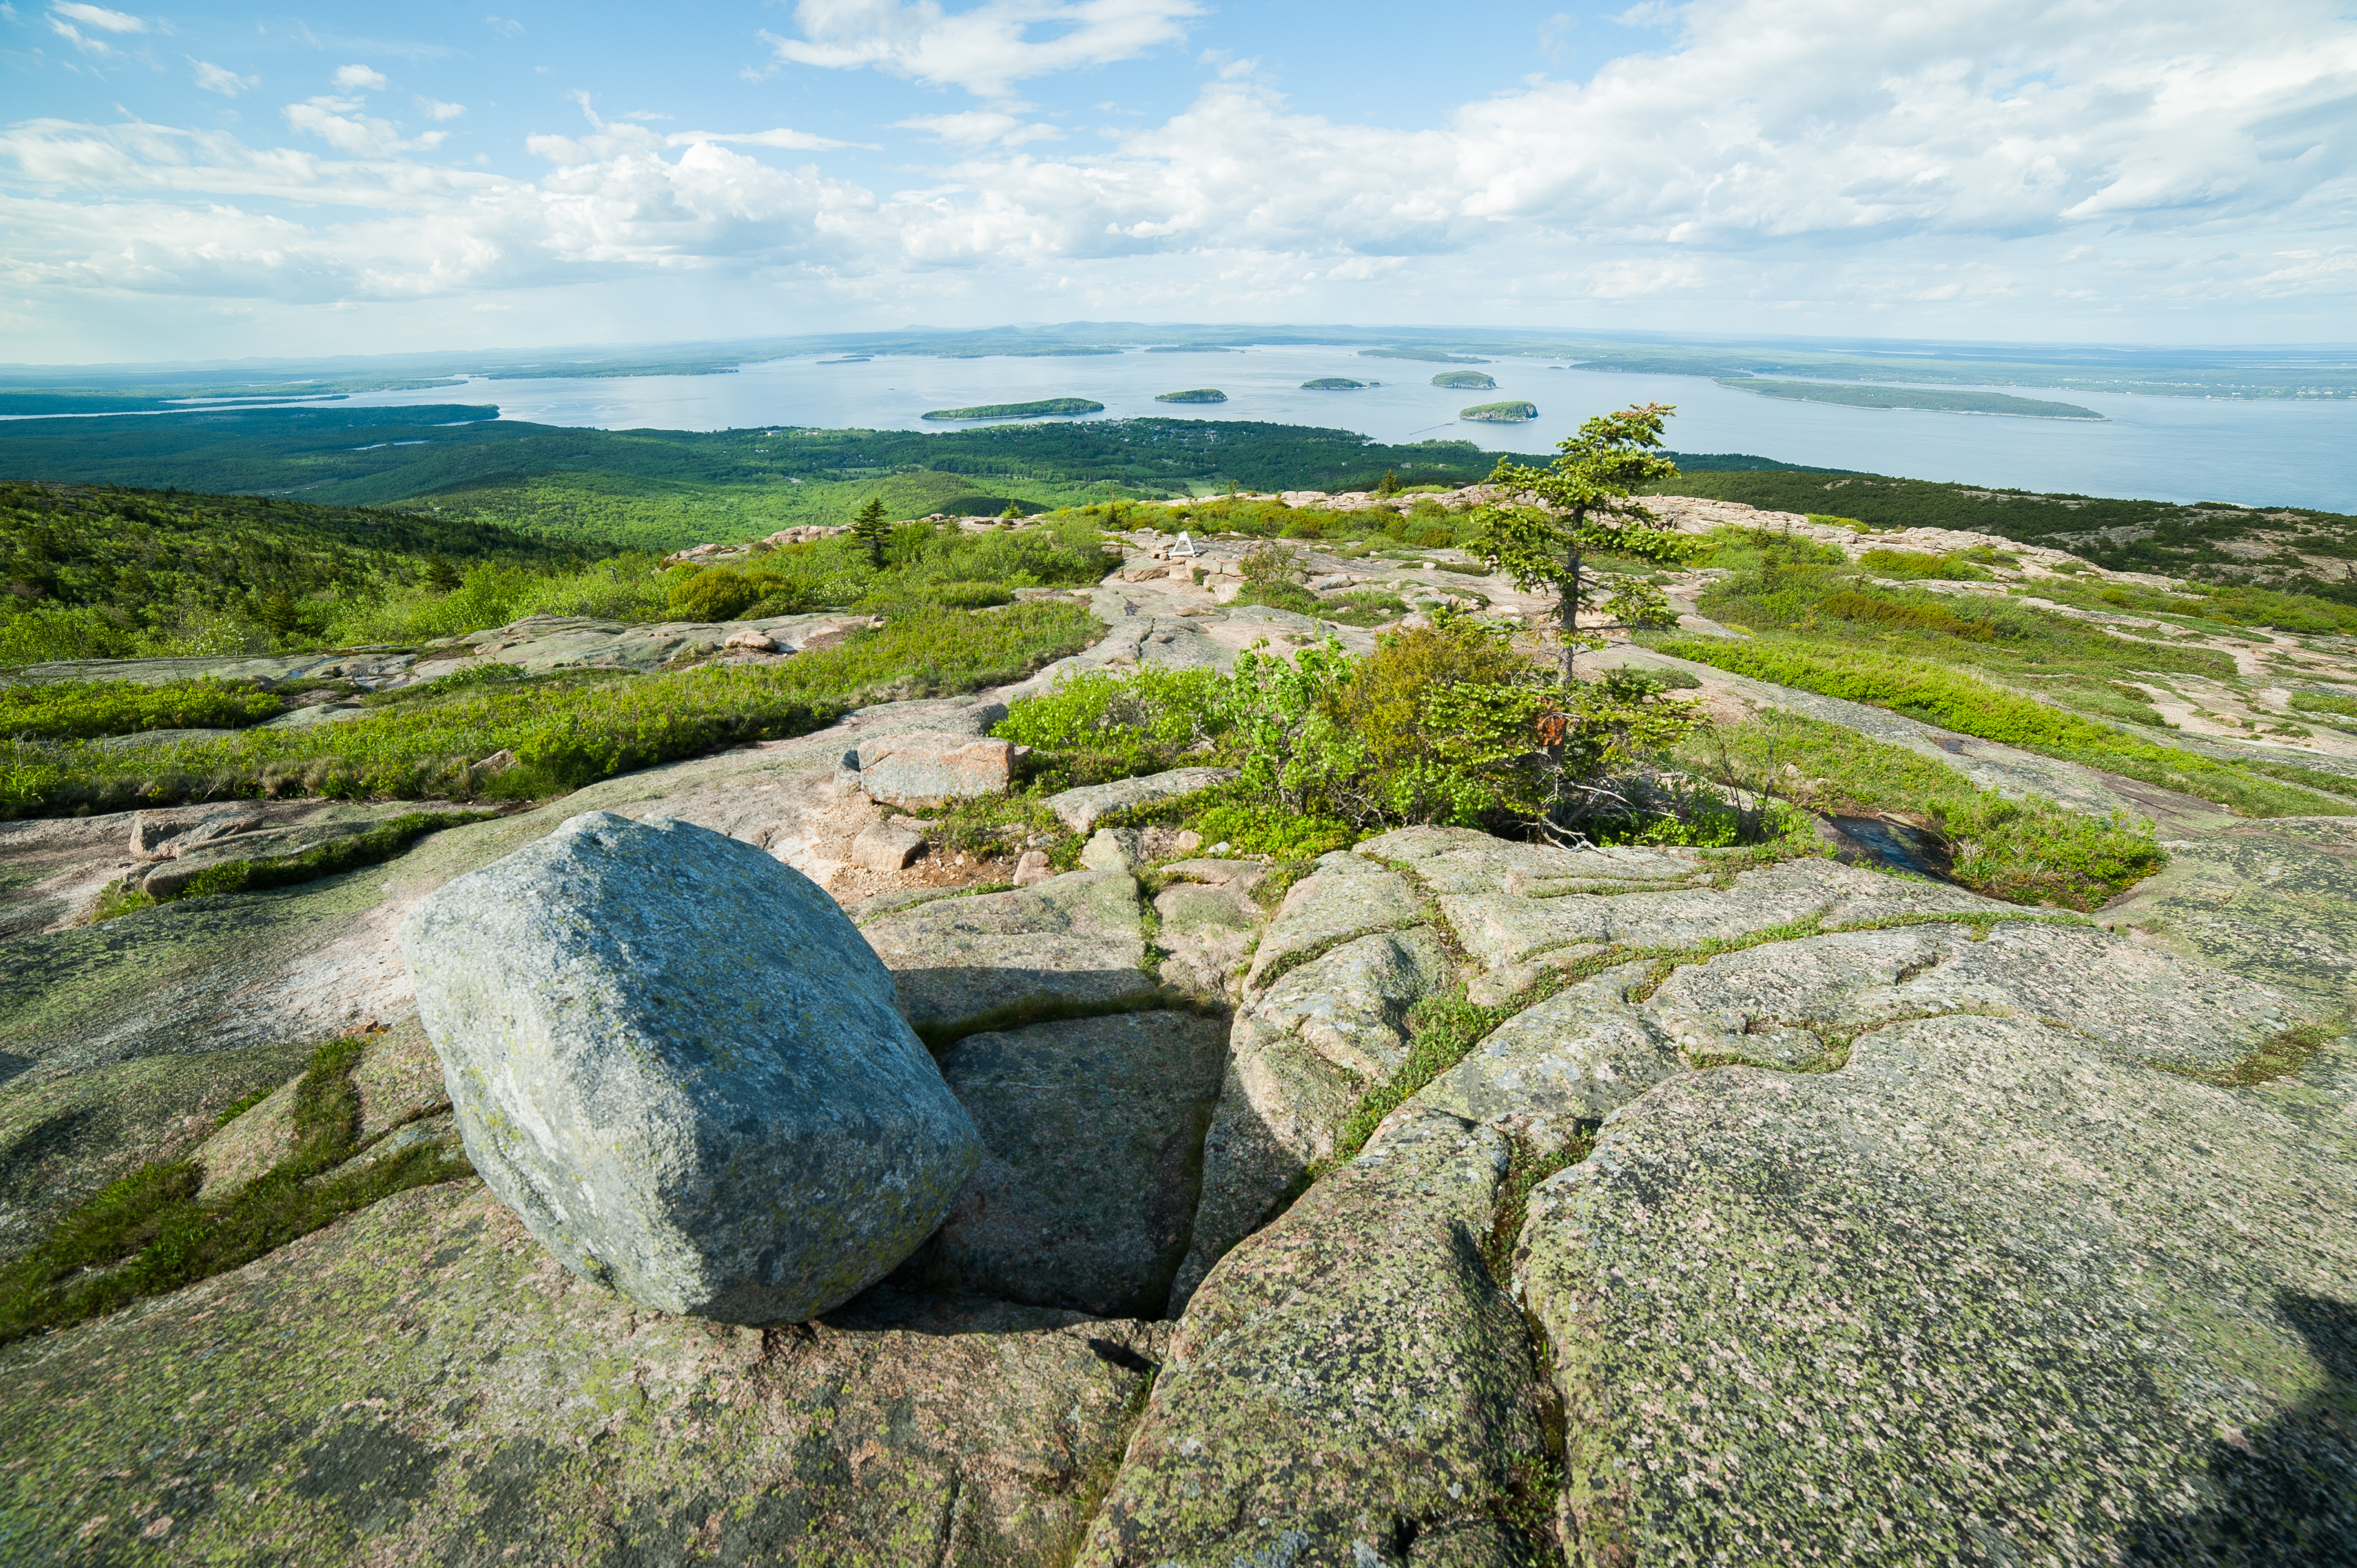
point(245, 180)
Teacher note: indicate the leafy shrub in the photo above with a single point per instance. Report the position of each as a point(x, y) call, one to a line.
point(1100, 726)
point(716, 594)
point(80, 710)
point(1280, 595)
point(1936, 620)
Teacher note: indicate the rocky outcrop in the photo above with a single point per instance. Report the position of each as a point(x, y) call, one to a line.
point(1074, 944)
point(922, 770)
point(1080, 809)
point(677, 1061)
point(1093, 1136)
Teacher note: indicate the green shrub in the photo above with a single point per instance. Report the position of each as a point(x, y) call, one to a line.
point(1915, 563)
point(1098, 725)
point(83, 709)
point(715, 594)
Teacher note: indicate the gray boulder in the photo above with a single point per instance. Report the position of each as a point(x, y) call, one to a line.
point(681, 1065)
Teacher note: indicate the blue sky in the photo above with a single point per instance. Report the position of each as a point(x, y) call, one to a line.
point(202, 183)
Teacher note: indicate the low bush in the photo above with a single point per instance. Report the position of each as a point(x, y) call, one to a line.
point(84, 710)
point(1445, 723)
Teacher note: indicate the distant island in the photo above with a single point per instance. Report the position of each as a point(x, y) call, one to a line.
point(1465, 380)
point(848, 359)
point(1500, 412)
point(1431, 355)
point(1909, 397)
point(1047, 407)
point(1333, 383)
point(1192, 349)
point(1199, 394)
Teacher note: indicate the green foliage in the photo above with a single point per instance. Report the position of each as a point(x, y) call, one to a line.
point(716, 595)
point(2028, 851)
point(147, 1234)
point(1582, 503)
point(872, 532)
point(1100, 726)
point(1955, 701)
point(1253, 830)
point(1513, 412)
point(1442, 1031)
point(81, 710)
point(1197, 394)
point(564, 733)
point(1916, 563)
point(379, 843)
point(1333, 383)
point(2330, 702)
point(1465, 380)
point(2122, 535)
point(1640, 606)
point(1039, 408)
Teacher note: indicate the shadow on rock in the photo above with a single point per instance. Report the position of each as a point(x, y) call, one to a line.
point(2284, 1495)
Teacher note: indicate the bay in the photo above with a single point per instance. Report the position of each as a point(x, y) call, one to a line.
point(2281, 452)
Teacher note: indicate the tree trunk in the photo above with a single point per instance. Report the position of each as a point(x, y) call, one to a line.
point(1569, 608)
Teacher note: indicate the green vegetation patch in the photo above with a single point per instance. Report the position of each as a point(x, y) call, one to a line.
point(2030, 851)
point(1465, 380)
point(1040, 408)
point(1955, 701)
point(1916, 563)
point(1198, 394)
point(1909, 397)
point(1333, 383)
point(379, 843)
point(147, 1234)
point(1500, 412)
point(84, 710)
point(563, 731)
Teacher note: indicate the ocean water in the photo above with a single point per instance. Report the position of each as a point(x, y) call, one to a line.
point(2166, 448)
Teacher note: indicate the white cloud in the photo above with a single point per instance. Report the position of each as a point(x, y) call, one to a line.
point(506, 26)
point(980, 128)
point(99, 16)
point(985, 50)
point(434, 108)
point(360, 76)
point(342, 123)
point(2083, 158)
point(216, 78)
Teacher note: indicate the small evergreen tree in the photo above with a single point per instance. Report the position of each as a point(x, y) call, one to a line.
point(1388, 485)
point(870, 528)
point(1582, 503)
point(1012, 515)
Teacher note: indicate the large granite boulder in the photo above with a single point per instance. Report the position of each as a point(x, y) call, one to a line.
point(681, 1065)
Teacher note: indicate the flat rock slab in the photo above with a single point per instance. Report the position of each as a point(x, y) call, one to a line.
point(2145, 1003)
point(1349, 1379)
point(1080, 809)
point(1071, 945)
point(1992, 1290)
point(1346, 897)
point(421, 1383)
point(1092, 1134)
point(1573, 1059)
point(2275, 901)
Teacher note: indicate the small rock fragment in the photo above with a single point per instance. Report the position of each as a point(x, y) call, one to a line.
point(1032, 867)
point(888, 845)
